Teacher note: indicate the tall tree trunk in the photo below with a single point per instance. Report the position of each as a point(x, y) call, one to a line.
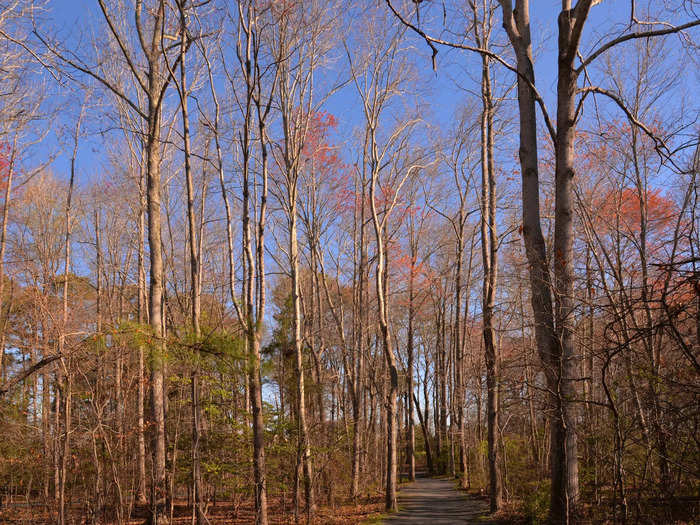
point(3, 246)
point(411, 432)
point(154, 90)
point(157, 346)
point(304, 449)
point(517, 25)
point(564, 459)
point(254, 337)
point(65, 361)
point(458, 344)
point(489, 247)
point(141, 314)
point(359, 312)
point(195, 273)
point(443, 379)
point(381, 286)
point(252, 311)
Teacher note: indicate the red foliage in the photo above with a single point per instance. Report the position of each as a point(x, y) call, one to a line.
point(624, 207)
point(317, 147)
point(5, 161)
point(322, 157)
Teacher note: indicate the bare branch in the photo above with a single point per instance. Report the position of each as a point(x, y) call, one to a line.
point(632, 36)
point(84, 69)
point(431, 41)
point(7, 386)
point(121, 45)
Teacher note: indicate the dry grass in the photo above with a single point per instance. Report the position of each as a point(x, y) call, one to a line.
point(223, 513)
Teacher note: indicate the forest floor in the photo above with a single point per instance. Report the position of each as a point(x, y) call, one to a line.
point(437, 501)
point(223, 513)
point(431, 501)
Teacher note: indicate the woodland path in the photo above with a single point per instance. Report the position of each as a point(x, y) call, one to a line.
point(436, 501)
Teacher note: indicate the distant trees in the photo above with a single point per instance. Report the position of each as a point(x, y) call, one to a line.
point(378, 76)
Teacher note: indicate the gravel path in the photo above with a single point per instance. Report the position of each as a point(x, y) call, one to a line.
point(436, 501)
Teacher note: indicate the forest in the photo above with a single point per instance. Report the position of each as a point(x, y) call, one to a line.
point(278, 261)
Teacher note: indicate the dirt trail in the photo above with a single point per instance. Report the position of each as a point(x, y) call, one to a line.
point(436, 501)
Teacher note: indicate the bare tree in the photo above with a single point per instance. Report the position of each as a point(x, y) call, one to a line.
point(377, 79)
point(153, 84)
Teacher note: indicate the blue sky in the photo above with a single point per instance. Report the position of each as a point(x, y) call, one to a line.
point(438, 88)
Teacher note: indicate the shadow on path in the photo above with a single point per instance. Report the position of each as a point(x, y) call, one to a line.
point(436, 501)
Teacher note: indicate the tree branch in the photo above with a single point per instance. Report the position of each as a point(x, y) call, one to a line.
point(8, 385)
point(85, 70)
point(631, 36)
point(431, 41)
point(659, 144)
point(127, 57)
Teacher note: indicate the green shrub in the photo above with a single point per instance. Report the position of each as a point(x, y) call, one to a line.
point(536, 502)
